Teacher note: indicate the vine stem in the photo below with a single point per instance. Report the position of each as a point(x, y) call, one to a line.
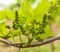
point(19, 50)
point(1, 32)
point(20, 45)
point(20, 38)
point(52, 47)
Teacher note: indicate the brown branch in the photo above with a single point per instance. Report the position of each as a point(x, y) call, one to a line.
point(5, 41)
point(20, 45)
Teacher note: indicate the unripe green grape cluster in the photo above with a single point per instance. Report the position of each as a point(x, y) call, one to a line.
point(16, 23)
point(36, 28)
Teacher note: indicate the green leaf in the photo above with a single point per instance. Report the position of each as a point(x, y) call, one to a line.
point(41, 9)
point(26, 12)
point(2, 15)
point(58, 10)
point(30, 1)
point(48, 33)
point(10, 14)
point(55, 12)
point(3, 30)
point(54, 2)
point(58, 2)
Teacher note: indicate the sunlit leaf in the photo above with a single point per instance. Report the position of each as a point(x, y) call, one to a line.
point(48, 33)
point(3, 30)
point(9, 14)
point(26, 12)
point(2, 15)
point(41, 9)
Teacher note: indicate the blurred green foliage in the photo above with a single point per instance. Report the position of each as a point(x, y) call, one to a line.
point(27, 20)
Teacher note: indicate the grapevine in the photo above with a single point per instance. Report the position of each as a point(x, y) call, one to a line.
point(33, 23)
